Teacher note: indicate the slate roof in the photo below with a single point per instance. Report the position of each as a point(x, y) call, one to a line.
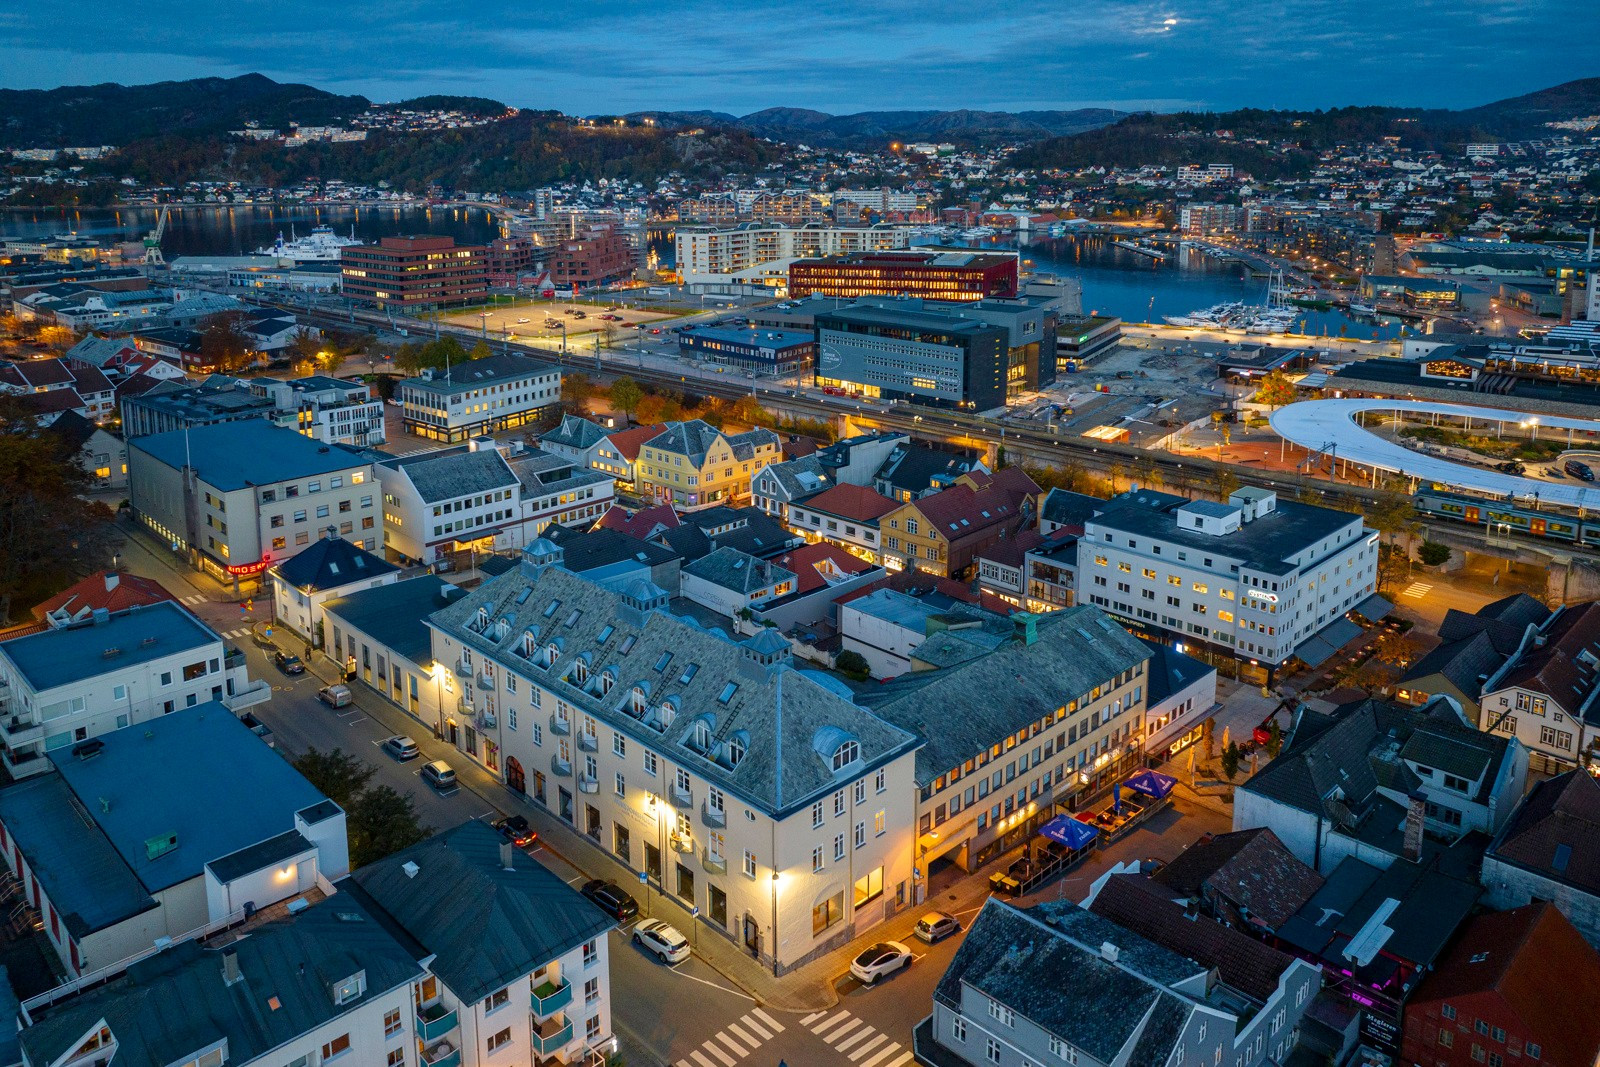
point(915, 469)
point(602, 546)
point(1465, 664)
point(1504, 622)
point(73, 429)
point(575, 432)
point(748, 529)
point(393, 614)
point(1069, 509)
point(1556, 832)
point(1251, 868)
point(990, 500)
point(169, 1005)
point(1148, 909)
point(855, 502)
point(478, 373)
point(643, 523)
point(1513, 956)
point(693, 440)
point(1263, 544)
point(1565, 667)
point(1022, 959)
point(485, 926)
point(138, 635)
point(799, 478)
point(449, 473)
point(786, 717)
point(956, 712)
point(1169, 672)
point(738, 572)
point(330, 563)
point(97, 351)
point(234, 455)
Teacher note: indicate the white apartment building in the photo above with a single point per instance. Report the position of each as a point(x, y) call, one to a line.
point(1256, 579)
point(759, 254)
point(237, 497)
point(758, 793)
point(481, 396)
point(485, 496)
point(325, 409)
point(68, 685)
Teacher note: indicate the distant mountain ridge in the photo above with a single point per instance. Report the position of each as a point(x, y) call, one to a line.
point(818, 128)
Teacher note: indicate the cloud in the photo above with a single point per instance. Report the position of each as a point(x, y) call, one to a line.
point(834, 55)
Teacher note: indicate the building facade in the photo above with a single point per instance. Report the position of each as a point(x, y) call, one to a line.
point(694, 465)
point(757, 255)
point(414, 272)
point(482, 396)
point(943, 275)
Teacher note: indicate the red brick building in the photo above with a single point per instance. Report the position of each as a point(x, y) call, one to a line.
point(508, 261)
point(1516, 989)
point(930, 275)
point(414, 272)
point(599, 257)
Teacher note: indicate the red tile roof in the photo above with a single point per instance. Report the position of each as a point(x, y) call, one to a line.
point(628, 442)
point(977, 501)
point(642, 523)
point(851, 502)
point(809, 562)
point(1556, 831)
point(1540, 969)
point(129, 591)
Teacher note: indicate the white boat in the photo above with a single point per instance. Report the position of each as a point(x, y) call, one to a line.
point(977, 233)
point(1363, 309)
point(321, 245)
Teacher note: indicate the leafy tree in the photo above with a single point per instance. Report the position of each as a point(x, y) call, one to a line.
point(1145, 471)
point(1000, 458)
point(1432, 553)
point(576, 390)
point(747, 411)
point(305, 347)
point(224, 344)
point(337, 775)
point(50, 536)
point(1276, 390)
point(854, 664)
point(1226, 481)
point(654, 408)
point(408, 359)
point(1230, 761)
point(626, 394)
point(1116, 473)
point(382, 821)
point(443, 351)
point(481, 350)
point(1274, 743)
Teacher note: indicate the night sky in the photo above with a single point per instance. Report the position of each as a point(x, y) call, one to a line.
point(831, 55)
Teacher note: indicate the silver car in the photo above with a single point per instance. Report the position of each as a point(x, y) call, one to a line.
point(935, 926)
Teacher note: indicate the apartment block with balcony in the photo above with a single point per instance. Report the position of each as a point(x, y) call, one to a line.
point(542, 996)
point(65, 686)
point(738, 784)
point(759, 254)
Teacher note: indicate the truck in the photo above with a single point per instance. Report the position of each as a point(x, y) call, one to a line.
point(658, 290)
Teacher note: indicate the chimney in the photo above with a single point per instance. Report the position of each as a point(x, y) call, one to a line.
point(507, 852)
point(410, 868)
point(1109, 952)
point(1191, 908)
point(1416, 803)
point(101, 616)
point(112, 578)
point(331, 533)
point(231, 975)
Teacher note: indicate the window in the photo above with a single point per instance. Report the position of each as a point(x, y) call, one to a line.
point(391, 1023)
point(591, 1027)
point(351, 988)
point(337, 1047)
point(500, 1040)
point(1447, 1036)
point(845, 755)
point(1001, 1014)
point(861, 834)
point(396, 1057)
point(869, 887)
point(838, 846)
point(958, 1028)
point(590, 953)
point(649, 762)
point(992, 1050)
point(1447, 1011)
point(816, 859)
point(1481, 1027)
point(591, 991)
point(496, 1000)
point(1531, 1050)
point(880, 781)
point(749, 864)
point(1063, 1051)
point(816, 814)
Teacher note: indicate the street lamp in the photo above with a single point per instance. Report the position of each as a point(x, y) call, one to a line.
point(774, 920)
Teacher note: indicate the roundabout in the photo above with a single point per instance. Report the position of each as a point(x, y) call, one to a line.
point(1333, 428)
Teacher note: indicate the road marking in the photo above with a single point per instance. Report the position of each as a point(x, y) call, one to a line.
point(849, 1024)
point(198, 599)
point(772, 1023)
point(1417, 590)
point(700, 1058)
point(888, 1050)
point(877, 1040)
point(766, 1035)
point(737, 1049)
point(830, 1022)
point(753, 1042)
point(904, 1058)
point(852, 1039)
point(727, 1060)
point(352, 722)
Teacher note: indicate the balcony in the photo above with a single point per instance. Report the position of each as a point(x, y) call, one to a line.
point(442, 1054)
point(464, 705)
point(549, 998)
point(23, 764)
point(559, 764)
point(559, 726)
point(587, 784)
point(16, 731)
point(434, 1022)
point(713, 817)
point(232, 659)
point(589, 742)
point(485, 682)
point(463, 667)
point(713, 864)
point(486, 720)
point(681, 842)
point(683, 798)
point(551, 1035)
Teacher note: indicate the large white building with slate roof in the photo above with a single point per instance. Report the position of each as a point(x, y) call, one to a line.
point(481, 396)
point(1257, 579)
point(759, 793)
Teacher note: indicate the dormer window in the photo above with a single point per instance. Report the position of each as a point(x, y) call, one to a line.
point(580, 672)
point(700, 739)
point(351, 988)
point(551, 653)
point(530, 646)
point(636, 700)
point(845, 755)
point(735, 747)
point(607, 680)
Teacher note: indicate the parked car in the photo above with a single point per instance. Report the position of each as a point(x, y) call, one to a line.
point(441, 777)
point(886, 957)
point(288, 663)
point(335, 696)
point(515, 828)
point(661, 940)
point(521, 321)
point(935, 926)
point(401, 748)
point(611, 899)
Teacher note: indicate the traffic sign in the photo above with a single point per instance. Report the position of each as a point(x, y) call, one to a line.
point(694, 913)
point(643, 878)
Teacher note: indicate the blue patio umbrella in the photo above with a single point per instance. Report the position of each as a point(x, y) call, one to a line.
point(1069, 831)
point(1116, 798)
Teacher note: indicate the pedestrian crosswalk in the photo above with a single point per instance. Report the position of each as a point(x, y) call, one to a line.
point(1417, 590)
point(863, 1045)
point(194, 601)
point(234, 635)
point(735, 1041)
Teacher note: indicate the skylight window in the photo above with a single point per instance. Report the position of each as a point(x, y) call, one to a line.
point(666, 658)
point(551, 609)
point(572, 618)
point(605, 634)
point(688, 674)
point(627, 644)
point(727, 692)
